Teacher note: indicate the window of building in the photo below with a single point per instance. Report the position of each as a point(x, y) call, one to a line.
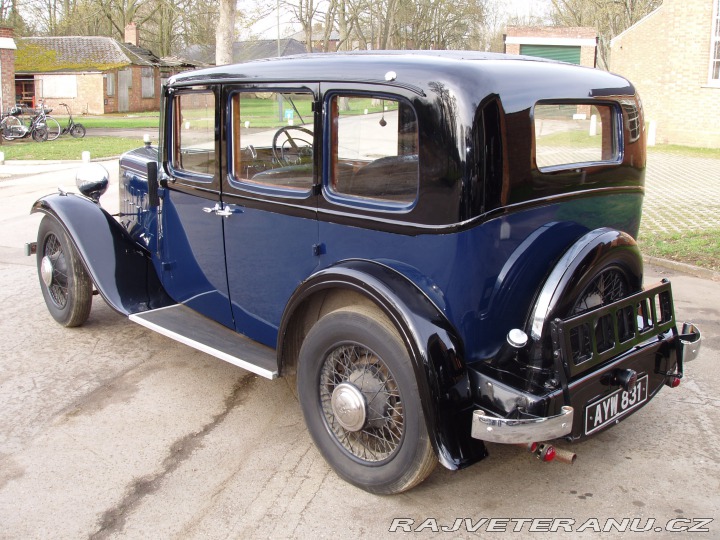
point(148, 82)
point(373, 156)
point(110, 78)
point(567, 135)
point(272, 141)
point(194, 133)
point(715, 45)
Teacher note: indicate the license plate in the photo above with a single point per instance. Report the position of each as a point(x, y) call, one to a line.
point(607, 409)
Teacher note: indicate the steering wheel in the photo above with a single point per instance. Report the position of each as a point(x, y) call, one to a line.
point(292, 149)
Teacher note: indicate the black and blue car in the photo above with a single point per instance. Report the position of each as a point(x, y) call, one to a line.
point(438, 246)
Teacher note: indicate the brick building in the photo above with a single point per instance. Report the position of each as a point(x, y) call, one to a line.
point(577, 45)
point(7, 68)
point(672, 56)
point(92, 74)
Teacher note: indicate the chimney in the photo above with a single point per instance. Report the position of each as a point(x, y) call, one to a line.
point(131, 34)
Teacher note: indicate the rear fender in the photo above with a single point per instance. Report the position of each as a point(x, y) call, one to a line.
point(434, 346)
point(121, 269)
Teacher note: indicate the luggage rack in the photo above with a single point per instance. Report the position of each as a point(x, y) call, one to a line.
point(584, 341)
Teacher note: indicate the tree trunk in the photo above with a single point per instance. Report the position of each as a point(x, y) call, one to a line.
point(225, 35)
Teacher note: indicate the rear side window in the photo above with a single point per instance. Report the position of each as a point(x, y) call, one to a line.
point(568, 135)
point(194, 133)
point(373, 150)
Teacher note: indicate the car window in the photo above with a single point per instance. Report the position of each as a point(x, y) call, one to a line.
point(571, 134)
point(194, 133)
point(373, 150)
point(272, 140)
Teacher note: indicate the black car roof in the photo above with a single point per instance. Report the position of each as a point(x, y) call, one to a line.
point(411, 68)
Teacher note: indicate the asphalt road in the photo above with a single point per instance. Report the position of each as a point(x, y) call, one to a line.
point(113, 431)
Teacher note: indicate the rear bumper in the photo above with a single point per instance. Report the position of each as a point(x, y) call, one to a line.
point(636, 336)
point(522, 430)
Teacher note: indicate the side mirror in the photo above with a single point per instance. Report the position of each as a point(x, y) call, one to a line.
point(92, 180)
point(152, 179)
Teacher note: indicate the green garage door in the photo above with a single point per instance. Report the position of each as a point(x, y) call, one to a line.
point(553, 52)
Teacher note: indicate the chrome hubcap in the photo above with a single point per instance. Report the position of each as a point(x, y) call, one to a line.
point(349, 406)
point(46, 271)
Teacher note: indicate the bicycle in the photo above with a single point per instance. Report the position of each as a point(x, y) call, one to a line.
point(13, 128)
point(74, 129)
point(52, 125)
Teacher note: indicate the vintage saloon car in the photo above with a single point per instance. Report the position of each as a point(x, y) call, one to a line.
point(438, 246)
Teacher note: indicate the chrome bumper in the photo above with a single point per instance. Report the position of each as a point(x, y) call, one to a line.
point(690, 340)
point(522, 430)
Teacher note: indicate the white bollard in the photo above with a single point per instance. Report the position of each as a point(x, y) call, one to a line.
point(2, 158)
point(593, 125)
point(247, 124)
point(652, 133)
point(86, 156)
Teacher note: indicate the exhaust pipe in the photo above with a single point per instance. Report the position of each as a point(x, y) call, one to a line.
point(547, 452)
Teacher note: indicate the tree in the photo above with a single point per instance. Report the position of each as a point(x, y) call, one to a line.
point(609, 17)
point(225, 36)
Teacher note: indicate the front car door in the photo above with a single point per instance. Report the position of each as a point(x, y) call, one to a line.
point(193, 258)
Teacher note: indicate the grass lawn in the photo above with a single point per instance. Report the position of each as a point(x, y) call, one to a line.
point(699, 248)
point(68, 148)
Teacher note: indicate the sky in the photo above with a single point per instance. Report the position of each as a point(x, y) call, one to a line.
point(267, 27)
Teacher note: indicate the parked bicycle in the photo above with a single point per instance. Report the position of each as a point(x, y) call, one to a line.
point(13, 128)
point(74, 129)
point(52, 125)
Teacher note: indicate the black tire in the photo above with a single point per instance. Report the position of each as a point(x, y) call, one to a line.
point(358, 351)
point(78, 131)
point(39, 134)
point(66, 285)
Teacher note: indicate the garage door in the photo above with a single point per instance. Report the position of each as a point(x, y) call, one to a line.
point(553, 52)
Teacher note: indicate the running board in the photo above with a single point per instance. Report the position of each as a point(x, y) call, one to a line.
point(187, 326)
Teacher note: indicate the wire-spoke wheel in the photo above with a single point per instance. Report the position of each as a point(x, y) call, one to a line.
point(53, 128)
point(66, 286)
point(361, 402)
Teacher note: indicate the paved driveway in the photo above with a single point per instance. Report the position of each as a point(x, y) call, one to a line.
point(113, 431)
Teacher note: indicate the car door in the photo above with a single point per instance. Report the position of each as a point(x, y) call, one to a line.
point(269, 191)
point(193, 258)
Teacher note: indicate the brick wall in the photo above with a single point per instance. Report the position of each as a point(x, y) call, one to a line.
point(7, 65)
point(667, 57)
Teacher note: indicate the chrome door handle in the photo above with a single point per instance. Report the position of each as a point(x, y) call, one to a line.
point(226, 211)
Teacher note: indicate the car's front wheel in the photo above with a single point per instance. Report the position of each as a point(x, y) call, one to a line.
point(66, 285)
point(361, 403)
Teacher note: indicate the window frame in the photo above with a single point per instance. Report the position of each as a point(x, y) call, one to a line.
point(257, 188)
point(616, 131)
point(714, 60)
point(110, 84)
point(172, 134)
point(353, 201)
point(150, 94)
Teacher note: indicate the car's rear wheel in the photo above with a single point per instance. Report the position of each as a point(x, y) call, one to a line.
point(359, 396)
point(66, 285)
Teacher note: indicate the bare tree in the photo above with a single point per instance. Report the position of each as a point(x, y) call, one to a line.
point(225, 35)
point(609, 17)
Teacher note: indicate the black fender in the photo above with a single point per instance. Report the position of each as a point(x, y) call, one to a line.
point(120, 268)
point(434, 346)
point(571, 273)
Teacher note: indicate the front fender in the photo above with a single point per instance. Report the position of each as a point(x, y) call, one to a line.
point(120, 268)
point(435, 350)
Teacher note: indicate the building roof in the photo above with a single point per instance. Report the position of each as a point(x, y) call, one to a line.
point(78, 53)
